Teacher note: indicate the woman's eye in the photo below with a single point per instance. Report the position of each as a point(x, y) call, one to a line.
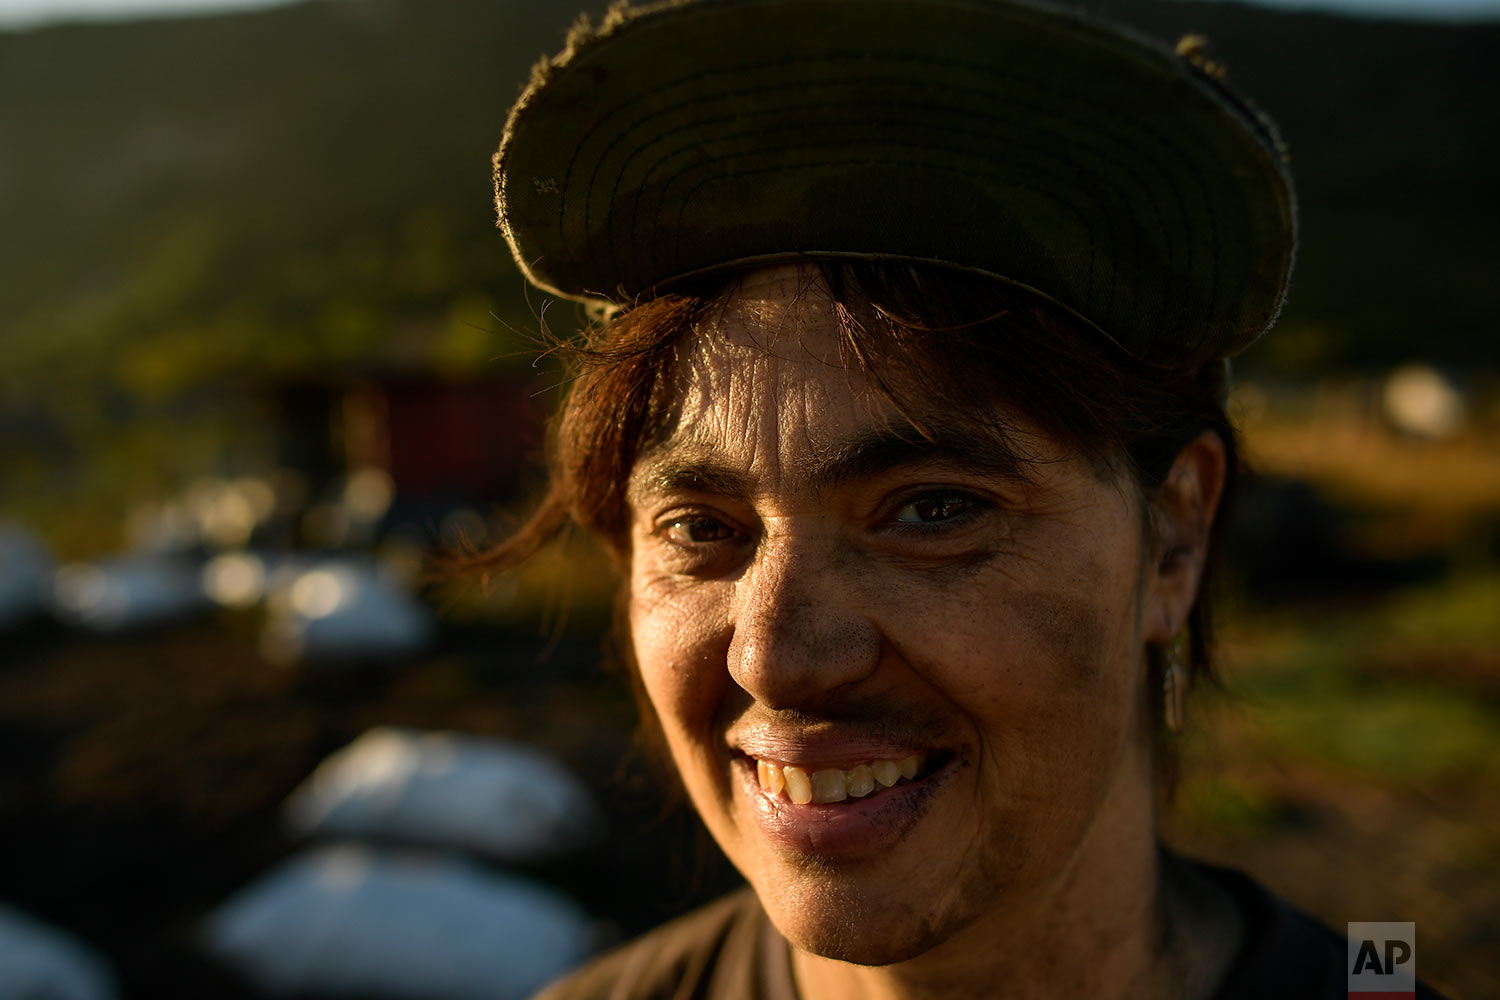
point(930, 509)
point(696, 531)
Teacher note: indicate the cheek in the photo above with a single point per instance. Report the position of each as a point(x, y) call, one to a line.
point(1070, 651)
point(1069, 683)
point(1037, 656)
point(1045, 670)
point(679, 643)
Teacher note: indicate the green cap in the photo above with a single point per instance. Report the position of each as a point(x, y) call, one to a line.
point(1100, 169)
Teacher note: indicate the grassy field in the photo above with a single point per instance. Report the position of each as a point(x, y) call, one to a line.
point(1352, 758)
point(1351, 764)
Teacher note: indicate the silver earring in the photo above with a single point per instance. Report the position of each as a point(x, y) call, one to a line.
point(1174, 683)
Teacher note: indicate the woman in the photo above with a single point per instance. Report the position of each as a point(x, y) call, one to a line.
point(904, 420)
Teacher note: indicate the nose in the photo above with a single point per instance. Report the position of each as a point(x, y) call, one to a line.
point(798, 628)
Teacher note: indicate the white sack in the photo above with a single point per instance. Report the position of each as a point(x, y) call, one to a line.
point(508, 801)
point(25, 575)
point(342, 609)
point(40, 961)
point(128, 592)
point(350, 920)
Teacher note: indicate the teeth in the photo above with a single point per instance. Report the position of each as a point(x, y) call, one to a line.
point(798, 787)
point(834, 784)
point(829, 786)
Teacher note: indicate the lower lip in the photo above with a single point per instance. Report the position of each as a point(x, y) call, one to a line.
point(843, 829)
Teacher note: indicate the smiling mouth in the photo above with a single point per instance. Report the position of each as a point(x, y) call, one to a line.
point(867, 779)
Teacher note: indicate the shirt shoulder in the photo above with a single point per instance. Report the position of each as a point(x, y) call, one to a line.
point(726, 949)
point(1286, 953)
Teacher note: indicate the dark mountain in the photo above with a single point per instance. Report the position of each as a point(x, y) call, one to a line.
point(1394, 129)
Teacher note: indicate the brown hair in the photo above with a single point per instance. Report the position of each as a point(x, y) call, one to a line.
point(916, 331)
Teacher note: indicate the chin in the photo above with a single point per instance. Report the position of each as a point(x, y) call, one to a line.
point(870, 952)
point(862, 945)
point(836, 923)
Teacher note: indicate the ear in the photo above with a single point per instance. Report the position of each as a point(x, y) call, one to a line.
point(1182, 510)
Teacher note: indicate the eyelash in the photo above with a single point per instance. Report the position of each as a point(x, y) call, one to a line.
point(971, 507)
point(665, 527)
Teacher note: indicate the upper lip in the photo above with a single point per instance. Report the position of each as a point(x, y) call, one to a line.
point(826, 747)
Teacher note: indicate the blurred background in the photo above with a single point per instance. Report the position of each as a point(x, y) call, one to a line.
point(261, 350)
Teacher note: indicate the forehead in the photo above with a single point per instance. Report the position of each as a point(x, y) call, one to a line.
point(773, 377)
point(772, 349)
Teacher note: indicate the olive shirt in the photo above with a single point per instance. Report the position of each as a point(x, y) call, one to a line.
point(728, 950)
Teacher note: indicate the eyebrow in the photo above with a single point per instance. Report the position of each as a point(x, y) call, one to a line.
point(887, 449)
point(872, 454)
point(694, 474)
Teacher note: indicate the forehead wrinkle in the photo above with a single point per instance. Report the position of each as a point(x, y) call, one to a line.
point(746, 399)
point(729, 420)
point(750, 385)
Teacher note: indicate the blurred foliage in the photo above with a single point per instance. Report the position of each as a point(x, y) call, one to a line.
point(1350, 763)
point(569, 582)
point(1357, 460)
point(1465, 611)
point(1416, 695)
point(1221, 804)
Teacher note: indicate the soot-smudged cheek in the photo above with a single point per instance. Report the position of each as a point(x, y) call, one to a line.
point(1041, 674)
point(1077, 635)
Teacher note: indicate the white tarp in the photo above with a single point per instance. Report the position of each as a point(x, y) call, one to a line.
point(349, 920)
point(25, 575)
point(41, 962)
point(508, 801)
point(345, 609)
point(128, 592)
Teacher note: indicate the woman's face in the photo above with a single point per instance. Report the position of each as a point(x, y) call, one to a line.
point(815, 587)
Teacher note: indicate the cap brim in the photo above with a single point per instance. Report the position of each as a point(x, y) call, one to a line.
point(1091, 165)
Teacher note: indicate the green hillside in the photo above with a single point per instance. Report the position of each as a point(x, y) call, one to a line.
point(271, 170)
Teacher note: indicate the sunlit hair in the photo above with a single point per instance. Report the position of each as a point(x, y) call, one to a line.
point(918, 334)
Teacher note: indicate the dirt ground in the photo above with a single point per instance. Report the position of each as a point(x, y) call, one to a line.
point(140, 780)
